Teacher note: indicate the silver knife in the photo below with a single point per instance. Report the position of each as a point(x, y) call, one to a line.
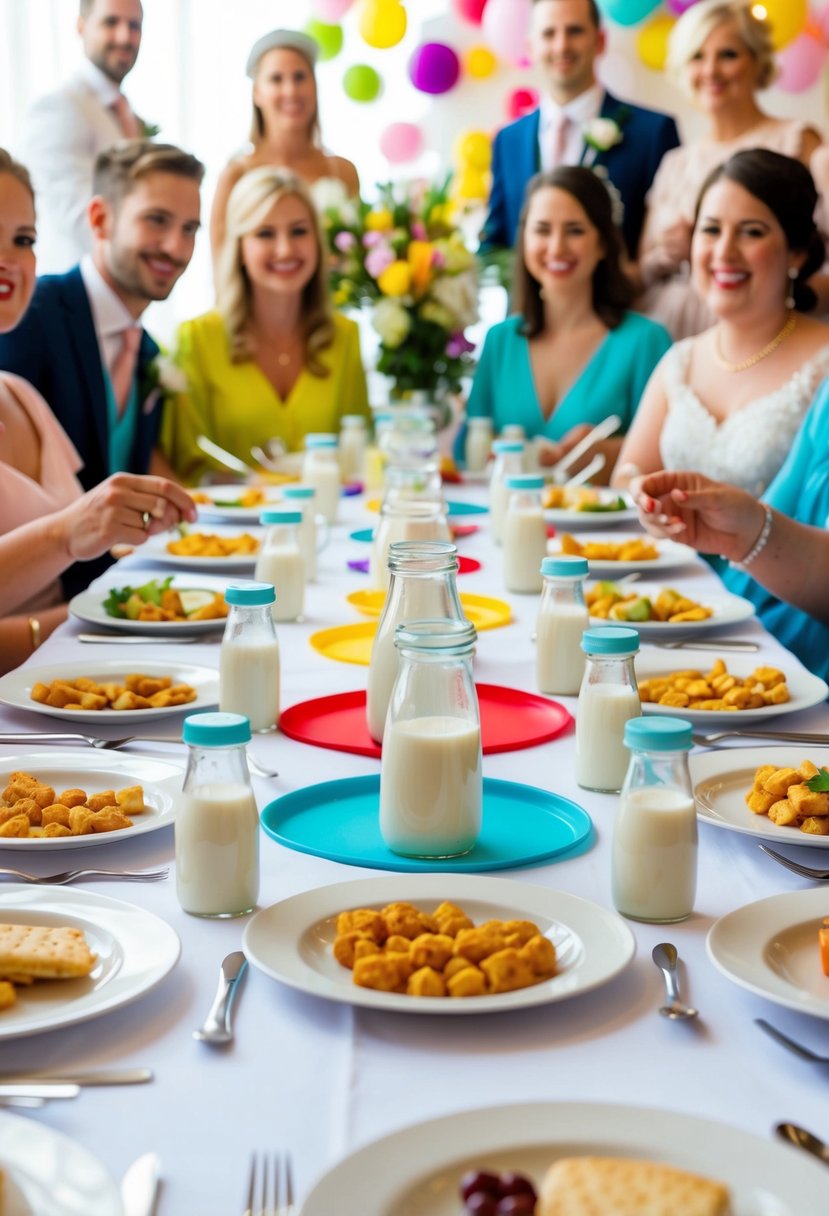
point(139, 1186)
point(100, 1076)
point(39, 1089)
point(737, 645)
point(137, 639)
point(217, 1026)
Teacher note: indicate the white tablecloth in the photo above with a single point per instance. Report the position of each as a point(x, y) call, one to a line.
point(320, 1079)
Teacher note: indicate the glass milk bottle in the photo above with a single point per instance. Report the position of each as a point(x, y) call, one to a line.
point(281, 563)
point(607, 699)
point(421, 585)
point(431, 785)
point(404, 519)
point(303, 499)
point(478, 446)
point(654, 858)
point(507, 463)
point(217, 826)
point(352, 447)
point(562, 619)
point(375, 458)
point(249, 660)
point(524, 534)
point(321, 469)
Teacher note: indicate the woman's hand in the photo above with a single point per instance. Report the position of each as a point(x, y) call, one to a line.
point(549, 453)
point(710, 516)
point(114, 513)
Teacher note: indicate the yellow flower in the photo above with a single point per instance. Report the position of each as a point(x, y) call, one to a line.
point(341, 296)
point(379, 221)
point(440, 214)
point(420, 261)
point(395, 279)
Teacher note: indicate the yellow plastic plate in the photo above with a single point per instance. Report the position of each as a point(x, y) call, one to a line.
point(483, 611)
point(346, 643)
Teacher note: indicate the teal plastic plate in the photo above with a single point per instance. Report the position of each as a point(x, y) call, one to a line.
point(465, 508)
point(340, 820)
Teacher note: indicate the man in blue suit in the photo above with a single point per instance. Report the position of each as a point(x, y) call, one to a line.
point(577, 122)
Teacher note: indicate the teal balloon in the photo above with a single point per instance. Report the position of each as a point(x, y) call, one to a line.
point(329, 38)
point(362, 83)
point(628, 12)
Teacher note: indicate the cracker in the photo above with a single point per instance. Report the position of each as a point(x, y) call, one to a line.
point(48, 952)
point(593, 1186)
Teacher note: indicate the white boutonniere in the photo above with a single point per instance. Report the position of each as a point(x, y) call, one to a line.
point(166, 375)
point(600, 135)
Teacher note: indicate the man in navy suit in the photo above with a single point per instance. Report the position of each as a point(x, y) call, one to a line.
point(577, 122)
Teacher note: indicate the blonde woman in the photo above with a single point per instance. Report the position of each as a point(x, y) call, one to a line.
point(272, 360)
point(285, 128)
point(720, 52)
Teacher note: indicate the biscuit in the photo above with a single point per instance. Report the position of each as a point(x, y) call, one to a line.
point(46, 952)
point(594, 1186)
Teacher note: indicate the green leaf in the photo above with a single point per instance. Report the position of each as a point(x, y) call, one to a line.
point(819, 784)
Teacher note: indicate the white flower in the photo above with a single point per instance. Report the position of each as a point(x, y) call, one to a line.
point(458, 293)
point(330, 194)
point(392, 322)
point(169, 376)
point(603, 134)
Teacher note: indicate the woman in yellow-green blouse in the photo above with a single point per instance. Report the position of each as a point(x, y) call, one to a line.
point(273, 360)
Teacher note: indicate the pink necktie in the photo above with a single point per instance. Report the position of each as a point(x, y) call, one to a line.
point(561, 132)
point(130, 127)
point(123, 369)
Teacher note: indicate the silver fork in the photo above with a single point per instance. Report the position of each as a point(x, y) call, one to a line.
point(60, 880)
point(267, 1183)
point(805, 1053)
point(113, 745)
point(795, 866)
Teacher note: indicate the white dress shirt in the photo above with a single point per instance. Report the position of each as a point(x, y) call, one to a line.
point(109, 313)
point(580, 111)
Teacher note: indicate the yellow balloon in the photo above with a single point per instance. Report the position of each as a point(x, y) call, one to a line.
point(474, 151)
point(470, 184)
point(786, 18)
point(652, 42)
point(480, 62)
point(382, 23)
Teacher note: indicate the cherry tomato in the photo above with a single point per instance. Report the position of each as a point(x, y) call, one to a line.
point(480, 1181)
point(516, 1184)
point(516, 1205)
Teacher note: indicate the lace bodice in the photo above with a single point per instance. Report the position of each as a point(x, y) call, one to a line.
point(748, 447)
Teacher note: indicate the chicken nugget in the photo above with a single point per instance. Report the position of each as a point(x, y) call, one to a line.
point(345, 945)
point(363, 920)
point(806, 802)
point(469, 981)
point(808, 770)
point(431, 950)
point(18, 826)
point(56, 829)
point(11, 812)
point(759, 801)
point(73, 797)
point(27, 807)
point(780, 780)
point(816, 825)
point(407, 920)
point(426, 982)
point(477, 944)
point(506, 970)
point(43, 795)
point(524, 930)
point(144, 685)
point(130, 700)
point(539, 954)
point(55, 814)
point(382, 972)
point(40, 692)
point(81, 821)
point(97, 802)
point(450, 919)
point(768, 676)
point(110, 819)
point(784, 814)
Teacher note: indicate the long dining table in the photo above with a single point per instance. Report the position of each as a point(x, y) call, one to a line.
point(320, 1079)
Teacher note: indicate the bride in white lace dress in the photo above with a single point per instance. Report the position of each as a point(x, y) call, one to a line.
point(728, 402)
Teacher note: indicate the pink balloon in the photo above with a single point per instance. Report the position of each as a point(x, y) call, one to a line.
point(434, 68)
point(331, 11)
point(800, 63)
point(679, 6)
point(521, 102)
point(506, 24)
point(470, 10)
point(401, 142)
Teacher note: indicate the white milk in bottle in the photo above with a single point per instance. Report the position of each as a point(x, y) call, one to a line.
point(404, 519)
point(524, 534)
point(478, 446)
point(281, 563)
point(562, 619)
point(249, 660)
point(507, 463)
point(321, 469)
point(303, 499)
point(607, 699)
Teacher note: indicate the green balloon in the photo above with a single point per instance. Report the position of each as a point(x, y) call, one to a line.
point(329, 38)
point(362, 83)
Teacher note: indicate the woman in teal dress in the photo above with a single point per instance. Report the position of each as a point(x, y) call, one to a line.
point(573, 353)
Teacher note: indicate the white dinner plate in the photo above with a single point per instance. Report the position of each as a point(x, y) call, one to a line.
point(566, 519)
point(96, 771)
point(135, 951)
point(89, 606)
point(47, 1174)
point(16, 687)
point(416, 1171)
point(771, 948)
point(722, 778)
point(222, 496)
point(155, 549)
point(671, 554)
point(805, 689)
point(291, 941)
point(727, 610)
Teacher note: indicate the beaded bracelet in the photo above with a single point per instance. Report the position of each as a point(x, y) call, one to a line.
point(34, 632)
point(760, 543)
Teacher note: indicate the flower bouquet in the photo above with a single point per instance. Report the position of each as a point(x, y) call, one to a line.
point(404, 258)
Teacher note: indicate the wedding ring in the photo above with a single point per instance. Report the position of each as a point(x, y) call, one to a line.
point(146, 519)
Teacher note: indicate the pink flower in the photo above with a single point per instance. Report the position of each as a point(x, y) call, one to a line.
point(372, 239)
point(345, 241)
point(378, 260)
point(438, 259)
point(458, 345)
point(419, 231)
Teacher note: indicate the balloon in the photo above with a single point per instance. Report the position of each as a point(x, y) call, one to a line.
point(329, 38)
point(786, 19)
point(401, 142)
point(506, 24)
point(362, 83)
point(474, 149)
point(471, 185)
point(470, 10)
point(479, 62)
point(678, 6)
point(330, 11)
point(801, 64)
point(628, 12)
point(382, 23)
point(521, 102)
point(434, 68)
point(652, 41)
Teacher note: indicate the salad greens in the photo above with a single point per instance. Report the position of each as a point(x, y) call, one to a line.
point(115, 603)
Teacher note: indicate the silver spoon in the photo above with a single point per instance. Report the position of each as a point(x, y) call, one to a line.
point(217, 1027)
point(798, 1136)
point(665, 957)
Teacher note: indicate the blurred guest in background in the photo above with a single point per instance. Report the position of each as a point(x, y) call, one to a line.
point(273, 360)
point(285, 130)
point(573, 353)
point(67, 128)
point(728, 402)
point(721, 53)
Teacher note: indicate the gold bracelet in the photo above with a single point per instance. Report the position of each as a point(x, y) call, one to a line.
point(34, 631)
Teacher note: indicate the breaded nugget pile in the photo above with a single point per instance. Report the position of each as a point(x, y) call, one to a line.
point(401, 949)
point(606, 602)
point(208, 544)
point(782, 794)
point(716, 689)
point(172, 609)
point(31, 809)
point(137, 692)
point(633, 550)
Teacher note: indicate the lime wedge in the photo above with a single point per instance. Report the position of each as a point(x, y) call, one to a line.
point(195, 598)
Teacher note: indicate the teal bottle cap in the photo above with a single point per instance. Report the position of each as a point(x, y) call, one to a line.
point(610, 640)
point(524, 481)
point(250, 595)
point(653, 734)
point(564, 567)
point(298, 492)
point(280, 517)
point(216, 730)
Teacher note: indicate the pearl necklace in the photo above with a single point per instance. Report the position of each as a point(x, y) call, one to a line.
point(761, 354)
